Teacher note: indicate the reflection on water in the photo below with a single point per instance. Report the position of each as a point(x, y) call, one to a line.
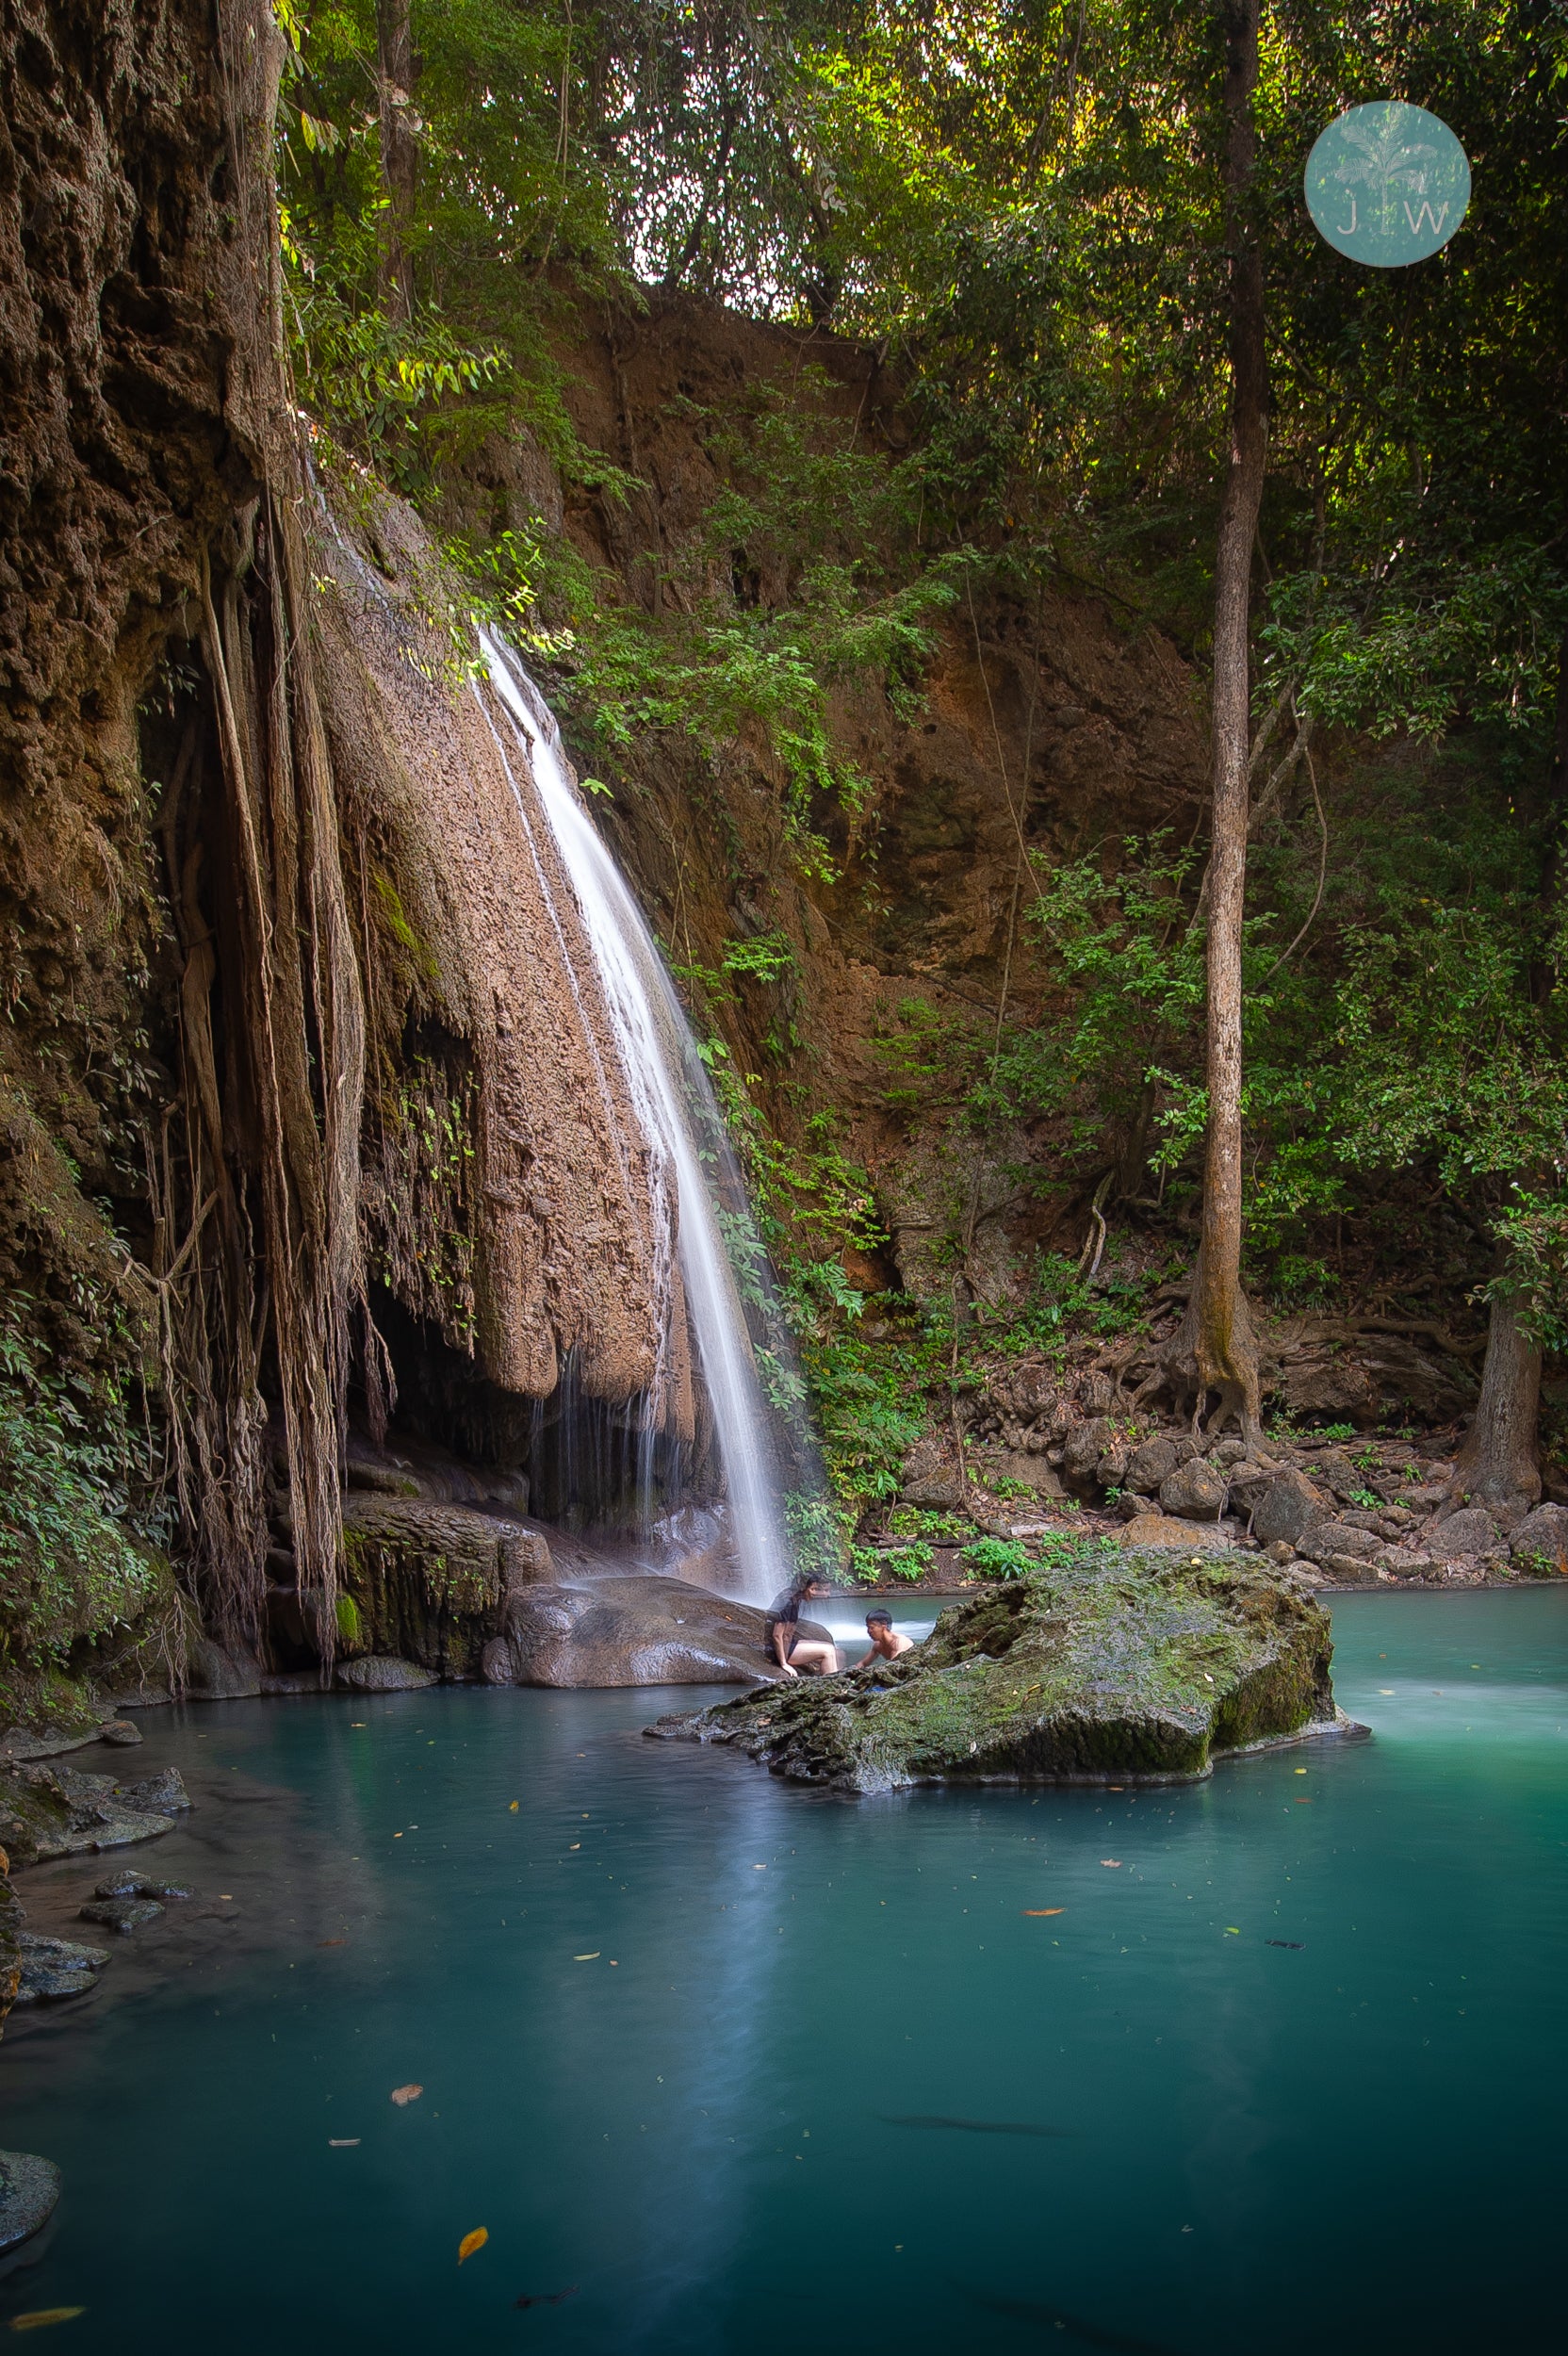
point(1295, 2033)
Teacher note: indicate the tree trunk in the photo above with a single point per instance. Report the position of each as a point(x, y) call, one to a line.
point(1499, 1465)
point(400, 153)
point(1216, 1350)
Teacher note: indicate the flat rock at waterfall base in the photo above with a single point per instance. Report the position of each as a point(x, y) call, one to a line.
point(633, 1631)
point(1149, 1667)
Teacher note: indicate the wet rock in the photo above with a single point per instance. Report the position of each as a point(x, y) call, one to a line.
point(1470, 1531)
point(164, 1793)
point(1165, 1533)
point(120, 1734)
point(635, 1630)
point(29, 2192)
point(1288, 1508)
point(1542, 1539)
point(128, 1883)
point(1195, 1492)
point(19, 1746)
point(1151, 1462)
point(124, 1915)
point(48, 1813)
point(281, 1683)
point(1143, 1668)
point(216, 1674)
point(378, 1673)
point(429, 1582)
point(53, 1969)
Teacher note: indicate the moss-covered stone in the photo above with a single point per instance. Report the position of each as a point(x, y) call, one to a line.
point(429, 1582)
point(1143, 1667)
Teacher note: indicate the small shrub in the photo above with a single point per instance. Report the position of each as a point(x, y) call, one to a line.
point(999, 1558)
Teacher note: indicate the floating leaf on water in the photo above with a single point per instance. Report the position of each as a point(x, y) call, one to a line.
point(1037, 1913)
point(1297, 1943)
point(470, 2242)
point(515, 1806)
point(545, 2298)
point(343, 2143)
point(1110, 1860)
point(593, 1959)
point(38, 2317)
point(402, 2096)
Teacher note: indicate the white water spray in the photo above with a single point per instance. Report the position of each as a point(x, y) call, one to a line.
point(663, 1070)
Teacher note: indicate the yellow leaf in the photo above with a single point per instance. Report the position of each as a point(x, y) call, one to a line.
point(593, 1959)
point(513, 1809)
point(470, 2242)
point(40, 2316)
point(402, 2096)
point(1036, 1912)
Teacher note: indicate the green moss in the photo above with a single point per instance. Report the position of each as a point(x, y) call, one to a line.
point(398, 927)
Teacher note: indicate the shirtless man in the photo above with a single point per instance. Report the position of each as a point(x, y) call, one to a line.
point(792, 1651)
point(885, 1642)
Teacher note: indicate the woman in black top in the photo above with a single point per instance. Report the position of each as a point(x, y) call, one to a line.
point(792, 1651)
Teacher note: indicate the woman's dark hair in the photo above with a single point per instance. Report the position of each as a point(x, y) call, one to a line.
point(804, 1581)
point(885, 1617)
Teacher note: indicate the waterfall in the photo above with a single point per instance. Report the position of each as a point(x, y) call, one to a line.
point(696, 1184)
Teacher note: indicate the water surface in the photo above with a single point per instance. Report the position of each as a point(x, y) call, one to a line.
point(1297, 2038)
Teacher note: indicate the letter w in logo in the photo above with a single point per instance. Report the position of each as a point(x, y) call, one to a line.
point(1427, 214)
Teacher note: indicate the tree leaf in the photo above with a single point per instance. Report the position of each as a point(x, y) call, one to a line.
point(470, 2242)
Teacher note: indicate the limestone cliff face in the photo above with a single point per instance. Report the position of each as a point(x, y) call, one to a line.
point(508, 1200)
point(301, 1029)
point(1048, 722)
point(117, 463)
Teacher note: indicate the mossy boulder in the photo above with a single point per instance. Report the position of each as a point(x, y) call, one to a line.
point(429, 1582)
point(1131, 1667)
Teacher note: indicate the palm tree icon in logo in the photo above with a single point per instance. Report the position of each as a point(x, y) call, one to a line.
point(1390, 165)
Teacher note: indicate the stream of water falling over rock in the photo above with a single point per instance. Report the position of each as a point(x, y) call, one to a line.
point(692, 1167)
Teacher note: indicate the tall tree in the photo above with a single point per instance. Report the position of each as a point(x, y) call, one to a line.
point(399, 152)
point(1215, 1350)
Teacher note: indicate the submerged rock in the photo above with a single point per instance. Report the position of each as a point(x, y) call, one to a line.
point(378, 1674)
point(29, 2192)
point(53, 1969)
point(124, 1915)
point(1147, 1668)
point(128, 1883)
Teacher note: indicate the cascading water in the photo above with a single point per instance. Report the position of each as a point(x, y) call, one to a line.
point(692, 1167)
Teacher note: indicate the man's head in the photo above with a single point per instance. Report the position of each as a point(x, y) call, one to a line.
point(878, 1623)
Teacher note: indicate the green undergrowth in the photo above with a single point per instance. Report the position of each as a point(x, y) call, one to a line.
point(79, 1560)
